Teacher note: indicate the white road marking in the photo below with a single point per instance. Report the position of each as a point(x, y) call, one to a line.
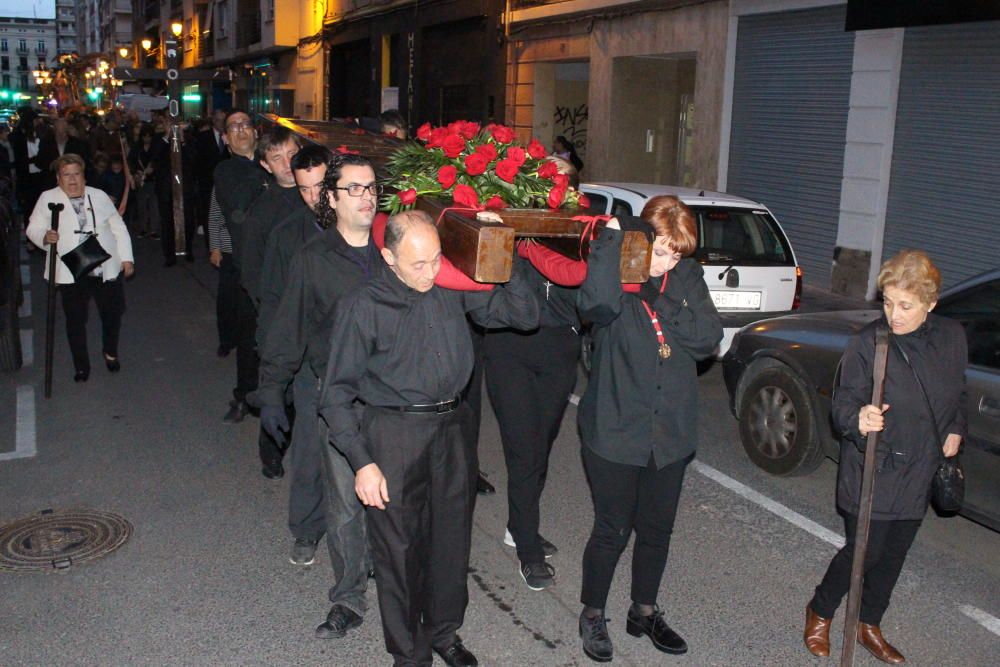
point(27, 348)
point(25, 275)
point(773, 506)
point(25, 309)
point(991, 623)
point(574, 399)
point(24, 438)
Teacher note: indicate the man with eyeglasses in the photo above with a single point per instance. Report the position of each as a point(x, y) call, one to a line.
point(329, 266)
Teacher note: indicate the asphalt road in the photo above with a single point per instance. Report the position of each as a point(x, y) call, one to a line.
point(205, 579)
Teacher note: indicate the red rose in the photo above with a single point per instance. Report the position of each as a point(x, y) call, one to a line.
point(502, 134)
point(488, 151)
point(495, 203)
point(475, 164)
point(424, 132)
point(536, 149)
point(407, 197)
point(583, 201)
point(464, 195)
point(507, 170)
point(446, 176)
point(516, 155)
point(453, 145)
point(561, 181)
point(437, 137)
point(344, 150)
point(547, 169)
point(556, 196)
point(469, 130)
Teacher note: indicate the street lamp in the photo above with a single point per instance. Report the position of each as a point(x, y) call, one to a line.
point(176, 28)
point(146, 43)
point(123, 52)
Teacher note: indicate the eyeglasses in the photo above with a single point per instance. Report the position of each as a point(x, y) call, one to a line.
point(356, 190)
point(239, 127)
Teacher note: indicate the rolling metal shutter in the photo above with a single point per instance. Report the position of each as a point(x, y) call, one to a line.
point(789, 123)
point(944, 192)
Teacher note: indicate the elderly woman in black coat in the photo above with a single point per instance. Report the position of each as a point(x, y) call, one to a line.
point(638, 417)
point(922, 420)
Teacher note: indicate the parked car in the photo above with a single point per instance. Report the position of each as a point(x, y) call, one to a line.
point(781, 372)
point(10, 282)
point(749, 264)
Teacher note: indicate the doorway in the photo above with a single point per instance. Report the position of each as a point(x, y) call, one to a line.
point(652, 119)
point(560, 106)
point(350, 79)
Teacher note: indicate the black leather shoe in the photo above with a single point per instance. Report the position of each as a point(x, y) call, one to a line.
point(483, 487)
point(596, 641)
point(457, 655)
point(81, 376)
point(656, 629)
point(338, 622)
point(112, 363)
point(238, 410)
point(273, 470)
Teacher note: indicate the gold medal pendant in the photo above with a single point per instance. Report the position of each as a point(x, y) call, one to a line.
point(664, 351)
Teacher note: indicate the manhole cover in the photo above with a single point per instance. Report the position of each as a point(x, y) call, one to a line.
point(54, 540)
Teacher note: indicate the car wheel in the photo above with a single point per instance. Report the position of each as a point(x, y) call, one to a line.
point(777, 423)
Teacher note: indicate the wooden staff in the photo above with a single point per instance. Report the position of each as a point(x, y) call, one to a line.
point(865, 504)
point(128, 176)
point(50, 322)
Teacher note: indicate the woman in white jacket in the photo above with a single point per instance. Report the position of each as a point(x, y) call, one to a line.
point(85, 211)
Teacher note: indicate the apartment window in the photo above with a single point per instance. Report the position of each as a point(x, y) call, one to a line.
point(22, 62)
point(6, 80)
point(5, 62)
point(3, 45)
point(41, 47)
point(24, 82)
point(221, 21)
point(22, 45)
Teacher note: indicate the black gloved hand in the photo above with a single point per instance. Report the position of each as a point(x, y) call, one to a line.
point(274, 421)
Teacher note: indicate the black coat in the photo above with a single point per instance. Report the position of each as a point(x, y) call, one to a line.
point(636, 403)
point(909, 449)
point(209, 156)
point(271, 207)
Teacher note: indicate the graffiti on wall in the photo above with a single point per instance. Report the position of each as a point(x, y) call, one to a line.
point(571, 122)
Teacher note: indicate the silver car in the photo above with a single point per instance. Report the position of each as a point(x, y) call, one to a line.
point(780, 374)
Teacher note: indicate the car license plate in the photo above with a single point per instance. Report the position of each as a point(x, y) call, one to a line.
point(735, 300)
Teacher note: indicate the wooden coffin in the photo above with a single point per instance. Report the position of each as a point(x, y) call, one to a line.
point(484, 251)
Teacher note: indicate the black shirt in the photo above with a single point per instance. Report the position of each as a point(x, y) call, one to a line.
point(282, 244)
point(271, 207)
point(396, 346)
point(636, 403)
point(909, 449)
point(322, 272)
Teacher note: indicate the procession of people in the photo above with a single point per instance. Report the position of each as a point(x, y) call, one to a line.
point(362, 356)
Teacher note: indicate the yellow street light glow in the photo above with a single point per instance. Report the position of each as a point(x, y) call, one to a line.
point(176, 28)
point(123, 52)
point(147, 43)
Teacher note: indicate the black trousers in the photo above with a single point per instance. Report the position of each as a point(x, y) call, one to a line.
point(625, 498)
point(225, 301)
point(420, 542)
point(529, 377)
point(888, 544)
point(110, 300)
point(247, 359)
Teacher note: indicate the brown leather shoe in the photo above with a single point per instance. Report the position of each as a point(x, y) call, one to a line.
point(870, 636)
point(817, 633)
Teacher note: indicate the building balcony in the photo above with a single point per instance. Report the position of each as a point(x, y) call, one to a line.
point(248, 29)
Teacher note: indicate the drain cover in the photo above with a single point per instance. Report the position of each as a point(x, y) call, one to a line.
point(54, 540)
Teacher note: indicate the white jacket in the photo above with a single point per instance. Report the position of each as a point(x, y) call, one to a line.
point(111, 231)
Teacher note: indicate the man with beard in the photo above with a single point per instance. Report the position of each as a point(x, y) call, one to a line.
point(403, 350)
point(330, 265)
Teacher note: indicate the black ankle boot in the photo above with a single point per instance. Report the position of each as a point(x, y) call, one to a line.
point(596, 641)
point(656, 629)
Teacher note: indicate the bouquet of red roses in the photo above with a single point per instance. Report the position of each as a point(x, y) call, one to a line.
point(481, 168)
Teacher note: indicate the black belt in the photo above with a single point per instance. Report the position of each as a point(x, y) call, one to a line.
point(438, 408)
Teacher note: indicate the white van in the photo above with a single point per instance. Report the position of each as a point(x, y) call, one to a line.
point(749, 264)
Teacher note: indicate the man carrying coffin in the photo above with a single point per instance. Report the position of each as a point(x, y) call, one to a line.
point(403, 349)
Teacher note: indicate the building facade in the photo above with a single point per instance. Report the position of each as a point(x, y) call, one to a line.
point(26, 45)
point(102, 27)
point(66, 41)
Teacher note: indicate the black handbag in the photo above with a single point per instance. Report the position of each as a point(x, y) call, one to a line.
point(87, 256)
point(948, 483)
